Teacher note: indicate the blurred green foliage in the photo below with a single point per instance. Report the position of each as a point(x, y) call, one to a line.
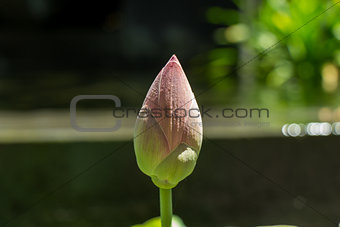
point(302, 69)
point(156, 222)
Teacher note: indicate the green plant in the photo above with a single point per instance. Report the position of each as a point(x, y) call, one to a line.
point(303, 66)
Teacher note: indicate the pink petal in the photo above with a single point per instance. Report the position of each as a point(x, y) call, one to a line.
point(151, 145)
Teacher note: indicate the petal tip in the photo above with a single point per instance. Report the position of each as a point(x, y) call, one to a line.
point(173, 61)
point(173, 58)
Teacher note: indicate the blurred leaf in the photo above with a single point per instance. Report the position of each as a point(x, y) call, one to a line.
point(337, 57)
point(277, 226)
point(156, 222)
point(336, 30)
point(280, 74)
point(237, 3)
point(283, 21)
point(218, 15)
point(237, 33)
point(227, 55)
point(296, 48)
point(278, 5)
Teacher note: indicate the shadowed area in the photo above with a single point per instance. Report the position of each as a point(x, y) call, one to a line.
point(220, 192)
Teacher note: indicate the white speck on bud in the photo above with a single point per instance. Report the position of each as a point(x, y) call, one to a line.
point(187, 155)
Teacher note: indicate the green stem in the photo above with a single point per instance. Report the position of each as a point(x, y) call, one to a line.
point(166, 206)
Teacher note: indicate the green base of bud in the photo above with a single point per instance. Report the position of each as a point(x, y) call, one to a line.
point(164, 184)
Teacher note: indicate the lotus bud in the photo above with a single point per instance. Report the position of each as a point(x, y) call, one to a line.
point(168, 130)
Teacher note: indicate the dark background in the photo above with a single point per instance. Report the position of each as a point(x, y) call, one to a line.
point(53, 50)
point(222, 191)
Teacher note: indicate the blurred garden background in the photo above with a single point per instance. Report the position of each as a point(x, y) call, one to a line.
point(279, 55)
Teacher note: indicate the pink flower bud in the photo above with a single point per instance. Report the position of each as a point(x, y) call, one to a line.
point(168, 130)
